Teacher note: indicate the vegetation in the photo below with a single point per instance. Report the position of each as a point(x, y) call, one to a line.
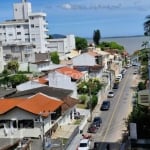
point(13, 66)
point(55, 57)
point(90, 88)
point(17, 79)
point(141, 86)
point(140, 116)
point(96, 37)
point(81, 43)
point(111, 45)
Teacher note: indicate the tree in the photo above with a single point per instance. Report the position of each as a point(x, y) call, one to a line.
point(96, 37)
point(81, 43)
point(17, 79)
point(147, 26)
point(13, 66)
point(55, 57)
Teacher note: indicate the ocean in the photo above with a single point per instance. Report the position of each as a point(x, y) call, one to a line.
point(130, 43)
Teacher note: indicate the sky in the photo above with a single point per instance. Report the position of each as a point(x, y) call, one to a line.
point(82, 17)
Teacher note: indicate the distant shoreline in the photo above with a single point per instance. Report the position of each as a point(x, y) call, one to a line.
point(127, 36)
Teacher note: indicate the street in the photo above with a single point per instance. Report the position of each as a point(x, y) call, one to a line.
point(113, 120)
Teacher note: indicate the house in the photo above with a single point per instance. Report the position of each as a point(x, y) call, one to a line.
point(24, 117)
point(65, 78)
point(23, 113)
point(92, 62)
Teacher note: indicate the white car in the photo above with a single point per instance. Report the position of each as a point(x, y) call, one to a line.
point(84, 144)
point(110, 94)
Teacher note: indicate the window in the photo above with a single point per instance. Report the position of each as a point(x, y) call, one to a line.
point(31, 18)
point(18, 26)
point(33, 39)
point(32, 25)
point(18, 33)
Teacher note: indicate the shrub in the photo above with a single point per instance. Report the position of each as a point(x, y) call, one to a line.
point(83, 99)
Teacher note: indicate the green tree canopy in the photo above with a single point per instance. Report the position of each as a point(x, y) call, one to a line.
point(96, 37)
point(111, 45)
point(81, 43)
point(17, 79)
point(55, 57)
point(13, 65)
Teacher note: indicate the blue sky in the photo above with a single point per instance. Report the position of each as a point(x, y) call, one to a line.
point(82, 17)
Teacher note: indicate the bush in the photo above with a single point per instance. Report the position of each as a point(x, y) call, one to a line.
point(141, 86)
point(83, 99)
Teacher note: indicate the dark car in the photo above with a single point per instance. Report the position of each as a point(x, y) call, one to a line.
point(97, 121)
point(116, 86)
point(92, 128)
point(105, 105)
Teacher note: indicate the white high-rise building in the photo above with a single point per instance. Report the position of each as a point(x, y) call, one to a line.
point(1, 58)
point(25, 34)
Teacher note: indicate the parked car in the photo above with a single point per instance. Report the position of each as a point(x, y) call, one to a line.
point(105, 105)
point(84, 144)
point(116, 85)
point(110, 94)
point(92, 128)
point(97, 121)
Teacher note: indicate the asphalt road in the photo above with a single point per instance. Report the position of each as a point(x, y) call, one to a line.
point(113, 120)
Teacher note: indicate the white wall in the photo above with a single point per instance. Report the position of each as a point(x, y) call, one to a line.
point(83, 60)
point(1, 58)
point(59, 80)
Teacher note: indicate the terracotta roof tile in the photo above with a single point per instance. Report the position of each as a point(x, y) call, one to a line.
point(41, 80)
point(8, 104)
point(35, 104)
point(40, 103)
point(75, 74)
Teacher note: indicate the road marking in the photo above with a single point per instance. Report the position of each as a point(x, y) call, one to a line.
point(113, 113)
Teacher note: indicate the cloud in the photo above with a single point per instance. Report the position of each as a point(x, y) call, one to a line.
point(109, 4)
point(96, 6)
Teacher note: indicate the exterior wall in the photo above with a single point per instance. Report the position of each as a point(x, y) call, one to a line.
point(83, 60)
point(62, 45)
point(18, 114)
point(1, 58)
point(29, 85)
point(29, 30)
point(59, 80)
point(39, 67)
point(21, 10)
point(38, 24)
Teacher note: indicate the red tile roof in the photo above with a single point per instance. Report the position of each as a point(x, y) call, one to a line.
point(75, 74)
point(8, 104)
point(35, 104)
point(41, 80)
point(40, 103)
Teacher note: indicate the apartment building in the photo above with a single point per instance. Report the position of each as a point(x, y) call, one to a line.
point(1, 58)
point(62, 45)
point(25, 34)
